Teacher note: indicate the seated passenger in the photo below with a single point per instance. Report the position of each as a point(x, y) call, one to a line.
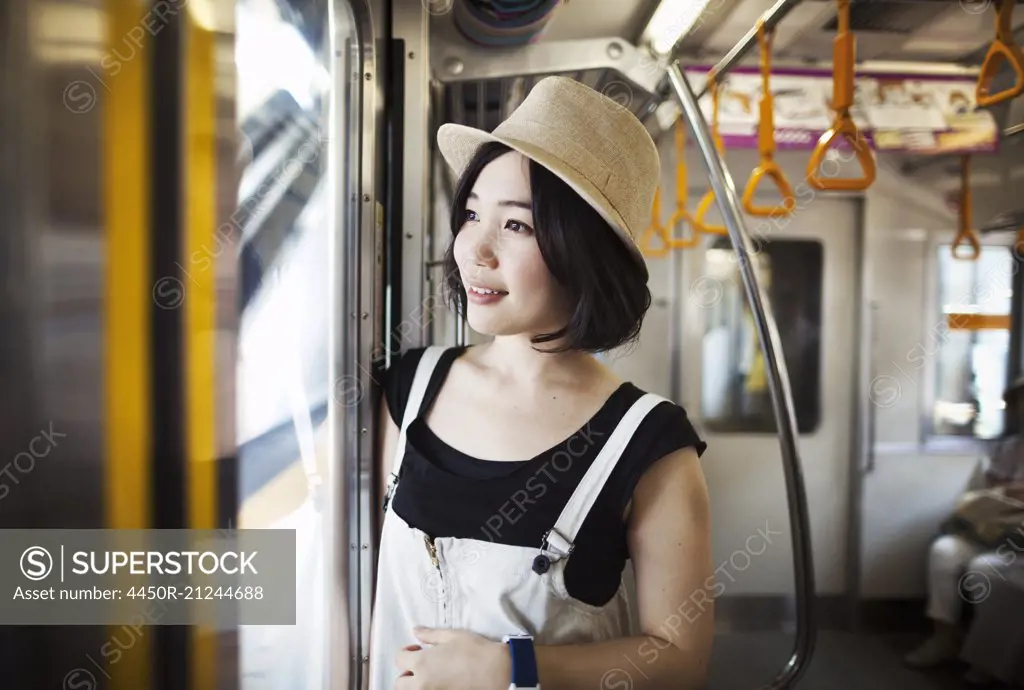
point(994, 645)
point(956, 553)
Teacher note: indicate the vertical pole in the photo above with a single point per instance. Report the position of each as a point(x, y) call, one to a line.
point(778, 378)
point(1015, 363)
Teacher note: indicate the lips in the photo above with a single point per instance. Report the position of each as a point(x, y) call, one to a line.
point(484, 295)
point(485, 290)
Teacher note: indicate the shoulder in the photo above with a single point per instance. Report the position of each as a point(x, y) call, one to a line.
point(399, 376)
point(398, 381)
point(665, 430)
point(674, 485)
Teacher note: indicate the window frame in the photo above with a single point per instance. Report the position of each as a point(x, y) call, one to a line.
point(714, 424)
point(931, 442)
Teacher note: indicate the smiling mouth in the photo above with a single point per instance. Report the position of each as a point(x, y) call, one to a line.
point(484, 291)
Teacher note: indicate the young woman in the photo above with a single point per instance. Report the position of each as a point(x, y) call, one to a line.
point(523, 475)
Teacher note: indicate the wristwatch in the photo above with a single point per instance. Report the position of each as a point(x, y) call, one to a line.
point(524, 662)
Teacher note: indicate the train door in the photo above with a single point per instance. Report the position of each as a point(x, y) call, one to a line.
point(809, 269)
point(308, 209)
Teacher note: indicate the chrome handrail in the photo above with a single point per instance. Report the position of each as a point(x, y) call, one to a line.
point(773, 16)
point(778, 380)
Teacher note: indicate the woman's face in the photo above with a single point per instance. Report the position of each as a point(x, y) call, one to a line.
point(496, 251)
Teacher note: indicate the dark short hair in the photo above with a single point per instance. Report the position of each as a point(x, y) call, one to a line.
point(604, 281)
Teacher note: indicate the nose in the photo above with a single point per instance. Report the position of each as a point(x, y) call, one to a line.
point(483, 249)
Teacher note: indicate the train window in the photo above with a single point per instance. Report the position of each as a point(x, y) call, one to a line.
point(969, 345)
point(735, 395)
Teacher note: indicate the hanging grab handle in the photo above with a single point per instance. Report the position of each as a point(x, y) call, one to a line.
point(655, 228)
point(844, 58)
point(845, 128)
point(964, 229)
point(709, 198)
point(681, 217)
point(766, 142)
point(1003, 49)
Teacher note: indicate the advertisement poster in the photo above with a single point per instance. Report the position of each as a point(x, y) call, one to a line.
point(930, 116)
point(895, 113)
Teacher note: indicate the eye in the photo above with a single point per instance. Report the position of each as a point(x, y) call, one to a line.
point(517, 227)
point(468, 216)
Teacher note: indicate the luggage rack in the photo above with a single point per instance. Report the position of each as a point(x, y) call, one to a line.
point(483, 85)
point(485, 102)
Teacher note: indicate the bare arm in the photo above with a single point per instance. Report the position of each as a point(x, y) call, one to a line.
point(670, 546)
point(386, 443)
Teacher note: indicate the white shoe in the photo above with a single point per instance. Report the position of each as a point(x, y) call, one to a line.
point(935, 650)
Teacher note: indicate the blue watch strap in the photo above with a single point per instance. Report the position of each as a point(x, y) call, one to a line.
point(524, 662)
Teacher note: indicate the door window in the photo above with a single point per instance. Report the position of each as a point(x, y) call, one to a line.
point(735, 396)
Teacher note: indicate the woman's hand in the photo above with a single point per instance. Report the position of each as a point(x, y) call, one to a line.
point(457, 660)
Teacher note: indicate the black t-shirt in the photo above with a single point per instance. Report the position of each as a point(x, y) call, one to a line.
point(447, 493)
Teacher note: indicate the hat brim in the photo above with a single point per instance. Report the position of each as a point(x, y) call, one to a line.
point(459, 143)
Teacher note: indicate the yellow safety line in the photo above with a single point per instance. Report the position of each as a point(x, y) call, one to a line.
point(199, 263)
point(128, 302)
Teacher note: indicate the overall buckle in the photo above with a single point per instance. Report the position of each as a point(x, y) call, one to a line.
point(553, 542)
point(390, 490)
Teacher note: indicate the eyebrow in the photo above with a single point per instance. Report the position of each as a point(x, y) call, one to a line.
point(525, 205)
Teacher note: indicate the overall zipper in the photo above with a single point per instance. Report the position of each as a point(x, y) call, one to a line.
point(435, 559)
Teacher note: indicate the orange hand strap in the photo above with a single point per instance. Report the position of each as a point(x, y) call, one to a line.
point(655, 228)
point(844, 58)
point(766, 143)
point(709, 198)
point(1003, 49)
point(681, 216)
point(964, 229)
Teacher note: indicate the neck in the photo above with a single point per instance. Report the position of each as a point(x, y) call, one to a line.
point(516, 359)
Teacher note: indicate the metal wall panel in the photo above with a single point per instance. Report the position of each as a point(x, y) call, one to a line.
point(52, 266)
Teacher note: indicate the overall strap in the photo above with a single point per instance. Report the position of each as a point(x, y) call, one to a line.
point(424, 369)
point(560, 539)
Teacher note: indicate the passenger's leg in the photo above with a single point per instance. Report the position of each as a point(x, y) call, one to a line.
point(983, 570)
point(948, 559)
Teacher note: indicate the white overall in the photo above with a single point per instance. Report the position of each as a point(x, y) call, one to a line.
point(485, 587)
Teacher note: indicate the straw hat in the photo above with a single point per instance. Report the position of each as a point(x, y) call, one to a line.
point(597, 146)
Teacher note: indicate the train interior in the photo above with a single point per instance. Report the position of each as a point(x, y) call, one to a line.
point(221, 219)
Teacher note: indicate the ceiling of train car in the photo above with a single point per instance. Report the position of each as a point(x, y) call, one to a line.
point(911, 30)
point(919, 31)
point(914, 30)
point(948, 32)
point(593, 19)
